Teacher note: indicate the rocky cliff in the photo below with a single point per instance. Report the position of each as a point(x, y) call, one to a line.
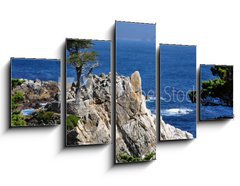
point(93, 112)
point(169, 132)
point(135, 124)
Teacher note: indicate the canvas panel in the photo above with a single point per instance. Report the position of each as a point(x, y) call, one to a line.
point(135, 132)
point(177, 84)
point(88, 92)
point(216, 92)
point(35, 92)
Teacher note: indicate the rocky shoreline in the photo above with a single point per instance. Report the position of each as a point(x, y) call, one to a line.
point(169, 132)
point(42, 97)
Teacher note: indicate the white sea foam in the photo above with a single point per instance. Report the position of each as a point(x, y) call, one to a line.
point(151, 99)
point(176, 111)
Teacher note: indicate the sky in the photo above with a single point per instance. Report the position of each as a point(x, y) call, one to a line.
point(135, 31)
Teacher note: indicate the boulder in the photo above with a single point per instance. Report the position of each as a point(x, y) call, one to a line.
point(169, 132)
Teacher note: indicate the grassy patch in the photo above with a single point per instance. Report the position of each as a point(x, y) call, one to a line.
point(72, 121)
point(127, 158)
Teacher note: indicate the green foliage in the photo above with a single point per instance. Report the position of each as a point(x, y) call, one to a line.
point(72, 121)
point(150, 156)
point(73, 45)
point(18, 120)
point(223, 72)
point(127, 158)
point(221, 87)
point(16, 98)
point(80, 52)
point(44, 116)
point(16, 82)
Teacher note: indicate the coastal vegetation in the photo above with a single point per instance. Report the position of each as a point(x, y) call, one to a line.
point(44, 116)
point(125, 158)
point(16, 101)
point(16, 82)
point(72, 121)
point(219, 88)
point(32, 103)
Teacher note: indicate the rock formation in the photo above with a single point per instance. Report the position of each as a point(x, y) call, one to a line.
point(40, 96)
point(169, 132)
point(93, 112)
point(135, 124)
point(36, 93)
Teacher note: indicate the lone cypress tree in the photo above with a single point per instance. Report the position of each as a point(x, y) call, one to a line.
point(80, 55)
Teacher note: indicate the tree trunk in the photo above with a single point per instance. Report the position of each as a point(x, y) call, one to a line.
point(78, 86)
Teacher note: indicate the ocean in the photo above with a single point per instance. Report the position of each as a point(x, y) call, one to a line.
point(212, 112)
point(139, 56)
point(32, 69)
point(177, 78)
point(177, 70)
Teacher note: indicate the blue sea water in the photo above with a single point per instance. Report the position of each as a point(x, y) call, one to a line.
point(27, 112)
point(139, 56)
point(42, 69)
point(212, 112)
point(177, 78)
point(103, 49)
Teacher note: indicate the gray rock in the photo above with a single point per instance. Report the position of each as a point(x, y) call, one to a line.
point(169, 132)
point(135, 124)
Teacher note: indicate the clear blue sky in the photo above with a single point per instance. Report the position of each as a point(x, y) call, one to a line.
point(135, 31)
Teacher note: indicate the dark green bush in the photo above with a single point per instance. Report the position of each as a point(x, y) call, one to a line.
point(18, 120)
point(18, 96)
point(220, 87)
point(150, 156)
point(72, 121)
point(16, 82)
point(127, 158)
point(44, 117)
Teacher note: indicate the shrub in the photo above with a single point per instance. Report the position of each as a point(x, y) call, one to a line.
point(72, 121)
point(150, 156)
point(18, 120)
point(16, 82)
point(127, 158)
point(44, 117)
point(16, 98)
